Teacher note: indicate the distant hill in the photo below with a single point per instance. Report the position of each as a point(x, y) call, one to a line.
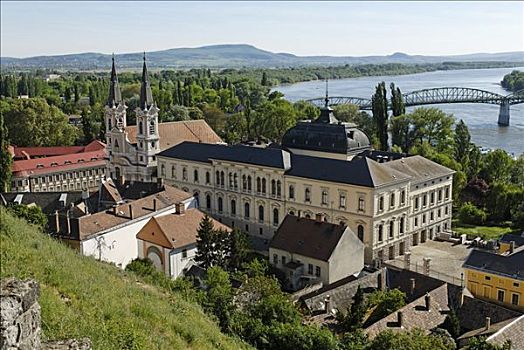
point(234, 56)
point(81, 297)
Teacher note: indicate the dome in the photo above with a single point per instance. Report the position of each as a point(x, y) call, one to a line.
point(326, 134)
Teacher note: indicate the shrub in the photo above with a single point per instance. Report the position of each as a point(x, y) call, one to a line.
point(470, 214)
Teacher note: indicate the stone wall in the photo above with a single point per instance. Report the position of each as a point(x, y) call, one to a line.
point(20, 324)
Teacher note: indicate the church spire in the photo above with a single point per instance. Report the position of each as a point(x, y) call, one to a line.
point(326, 100)
point(115, 96)
point(146, 96)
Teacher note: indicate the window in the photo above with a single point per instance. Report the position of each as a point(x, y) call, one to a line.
point(244, 183)
point(402, 197)
point(391, 229)
point(361, 204)
point(439, 195)
point(220, 205)
point(291, 192)
point(275, 259)
point(249, 183)
point(416, 203)
point(432, 198)
point(208, 201)
point(381, 203)
point(392, 200)
point(184, 253)
point(317, 271)
point(263, 185)
point(446, 210)
point(230, 176)
point(259, 185)
point(233, 207)
point(273, 188)
point(279, 188)
point(424, 219)
point(431, 216)
point(487, 278)
point(152, 128)
point(184, 174)
point(153, 146)
point(217, 178)
point(310, 269)
point(260, 213)
point(246, 211)
point(360, 232)
point(439, 212)
point(447, 193)
point(283, 260)
point(275, 217)
point(401, 226)
point(500, 295)
point(222, 179)
point(515, 299)
point(380, 233)
point(195, 175)
point(342, 200)
point(140, 127)
point(208, 178)
point(162, 170)
point(515, 284)
point(307, 195)
point(425, 200)
point(324, 197)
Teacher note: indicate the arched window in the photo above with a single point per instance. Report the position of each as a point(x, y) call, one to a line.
point(173, 171)
point(152, 127)
point(109, 126)
point(195, 175)
point(273, 188)
point(249, 183)
point(222, 178)
point(197, 199)
point(217, 177)
point(279, 188)
point(261, 213)
point(360, 232)
point(291, 212)
point(401, 226)
point(307, 216)
point(208, 178)
point(230, 175)
point(291, 192)
point(208, 202)
point(275, 216)
point(380, 233)
point(307, 194)
point(263, 185)
point(184, 174)
point(244, 182)
point(391, 229)
point(116, 143)
point(162, 170)
point(220, 205)
point(140, 127)
point(246, 210)
point(233, 207)
point(235, 181)
point(259, 186)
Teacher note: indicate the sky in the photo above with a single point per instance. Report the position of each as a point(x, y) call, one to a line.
point(302, 28)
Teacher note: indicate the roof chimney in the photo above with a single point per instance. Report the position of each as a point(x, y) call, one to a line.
point(427, 300)
point(399, 318)
point(57, 221)
point(488, 323)
point(407, 260)
point(413, 285)
point(511, 247)
point(327, 303)
point(68, 223)
point(154, 204)
point(180, 208)
point(131, 211)
point(319, 217)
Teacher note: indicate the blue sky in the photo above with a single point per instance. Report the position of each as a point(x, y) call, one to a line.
point(302, 28)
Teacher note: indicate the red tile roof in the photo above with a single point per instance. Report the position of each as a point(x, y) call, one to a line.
point(32, 152)
point(60, 163)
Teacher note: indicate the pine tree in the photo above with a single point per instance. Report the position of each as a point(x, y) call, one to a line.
point(205, 243)
point(379, 104)
point(452, 324)
point(264, 79)
point(239, 248)
point(397, 102)
point(462, 144)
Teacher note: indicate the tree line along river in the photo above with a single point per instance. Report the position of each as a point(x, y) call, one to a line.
point(480, 118)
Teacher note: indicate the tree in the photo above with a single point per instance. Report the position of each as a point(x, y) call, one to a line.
point(264, 81)
point(470, 214)
point(239, 248)
point(452, 324)
point(435, 127)
point(356, 340)
point(32, 214)
point(496, 166)
point(462, 144)
point(397, 102)
point(32, 122)
point(413, 340)
point(403, 132)
point(205, 243)
point(354, 317)
point(379, 104)
point(5, 157)
point(219, 299)
point(482, 344)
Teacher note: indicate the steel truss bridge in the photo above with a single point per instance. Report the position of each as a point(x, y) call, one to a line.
point(439, 96)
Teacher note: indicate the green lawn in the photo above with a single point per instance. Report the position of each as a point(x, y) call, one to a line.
point(81, 297)
point(485, 232)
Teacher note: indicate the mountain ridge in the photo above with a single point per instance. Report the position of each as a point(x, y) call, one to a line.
point(236, 56)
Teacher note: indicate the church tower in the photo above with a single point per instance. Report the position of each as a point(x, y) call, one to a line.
point(115, 120)
point(147, 128)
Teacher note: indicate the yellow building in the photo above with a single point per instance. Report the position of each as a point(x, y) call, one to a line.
point(509, 242)
point(495, 277)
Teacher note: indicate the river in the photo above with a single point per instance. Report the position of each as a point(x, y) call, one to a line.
point(480, 118)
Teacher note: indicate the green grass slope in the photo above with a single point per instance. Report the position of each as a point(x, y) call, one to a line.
point(81, 297)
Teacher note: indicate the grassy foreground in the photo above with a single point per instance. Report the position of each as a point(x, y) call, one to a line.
point(81, 297)
point(485, 232)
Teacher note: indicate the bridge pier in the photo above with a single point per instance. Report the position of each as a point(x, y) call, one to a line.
point(504, 114)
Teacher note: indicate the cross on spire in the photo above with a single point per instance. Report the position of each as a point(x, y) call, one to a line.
point(326, 100)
